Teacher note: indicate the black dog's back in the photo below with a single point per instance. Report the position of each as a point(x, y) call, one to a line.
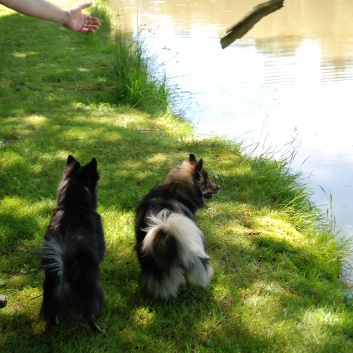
point(74, 247)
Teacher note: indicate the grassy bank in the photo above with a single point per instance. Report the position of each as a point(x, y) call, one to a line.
point(276, 260)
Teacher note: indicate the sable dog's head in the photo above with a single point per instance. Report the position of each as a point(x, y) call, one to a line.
point(192, 171)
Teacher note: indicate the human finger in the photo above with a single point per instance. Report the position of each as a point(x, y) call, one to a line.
point(85, 5)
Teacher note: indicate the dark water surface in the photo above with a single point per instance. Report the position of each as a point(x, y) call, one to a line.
point(287, 84)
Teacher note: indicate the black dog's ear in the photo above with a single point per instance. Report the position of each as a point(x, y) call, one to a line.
point(71, 159)
point(192, 159)
point(90, 171)
point(92, 165)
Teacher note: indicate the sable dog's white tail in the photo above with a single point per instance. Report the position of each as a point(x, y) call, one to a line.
point(177, 247)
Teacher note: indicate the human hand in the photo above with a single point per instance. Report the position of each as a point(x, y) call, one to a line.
point(78, 21)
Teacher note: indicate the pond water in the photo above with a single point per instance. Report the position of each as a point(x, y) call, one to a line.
point(287, 84)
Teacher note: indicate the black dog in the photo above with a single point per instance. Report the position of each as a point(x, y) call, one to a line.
point(170, 247)
point(74, 247)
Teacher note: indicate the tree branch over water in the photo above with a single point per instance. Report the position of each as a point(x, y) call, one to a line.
point(243, 26)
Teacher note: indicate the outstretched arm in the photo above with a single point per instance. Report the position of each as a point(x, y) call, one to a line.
point(72, 18)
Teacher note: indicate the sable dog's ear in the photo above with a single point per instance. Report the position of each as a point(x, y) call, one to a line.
point(71, 159)
point(197, 169)
point(192, 159)
point(199, 165)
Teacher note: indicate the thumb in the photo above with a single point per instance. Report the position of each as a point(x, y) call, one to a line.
point(85, 5)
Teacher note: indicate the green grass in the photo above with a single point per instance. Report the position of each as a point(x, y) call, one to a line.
point(276, 258)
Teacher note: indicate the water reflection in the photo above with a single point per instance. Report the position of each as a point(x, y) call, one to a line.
point(288, 80)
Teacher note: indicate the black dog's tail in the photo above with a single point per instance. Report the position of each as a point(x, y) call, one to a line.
point(72, 279)
point(177, 247)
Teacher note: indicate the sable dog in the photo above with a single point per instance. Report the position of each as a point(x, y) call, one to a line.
point(74, 247)
point(170, 247)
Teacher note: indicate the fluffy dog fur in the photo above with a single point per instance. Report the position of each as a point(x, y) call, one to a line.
point(170, 247)
point(74, 247)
